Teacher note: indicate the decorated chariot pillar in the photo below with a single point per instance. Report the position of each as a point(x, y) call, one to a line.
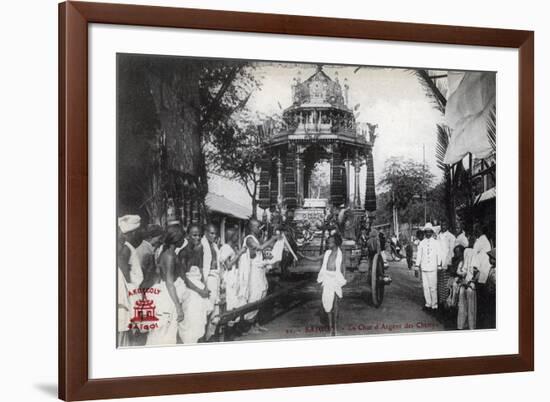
point(279, 164)
point(347, 181)
point(370, 192)
point(299, 178)
point(357, 195)
point(337, 170)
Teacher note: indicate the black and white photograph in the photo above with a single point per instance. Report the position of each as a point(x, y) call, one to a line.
point(266, 200)
point(281, 200)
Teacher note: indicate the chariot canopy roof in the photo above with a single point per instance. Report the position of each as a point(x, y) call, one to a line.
point(319, 114)
point(319, 91)
point(319, 125)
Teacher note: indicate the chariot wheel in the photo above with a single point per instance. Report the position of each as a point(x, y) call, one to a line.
point(377, 280)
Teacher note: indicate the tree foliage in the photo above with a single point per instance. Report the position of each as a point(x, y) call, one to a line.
point(232, 135)
point(405, 180)
point(236, 152)
point(443, 139)
point(225, 88)
point(413, 214)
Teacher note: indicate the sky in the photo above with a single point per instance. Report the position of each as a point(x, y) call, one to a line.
point(393, 98)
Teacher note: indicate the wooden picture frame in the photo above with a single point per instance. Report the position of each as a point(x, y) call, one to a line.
point(74, 381)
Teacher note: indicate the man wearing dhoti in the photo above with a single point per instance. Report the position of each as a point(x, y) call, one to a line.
point(130, 275)
point(228, 259)
point(331, 277)
point(195, 298)
point(428, 258)
point(491, 289)
point(252, 276)
point(482, 246)
point(124, 311)
point(162, 287)
point(467, 275)
point(130, 265)
point(195, 305)
point(211, 274)
point(152, 238)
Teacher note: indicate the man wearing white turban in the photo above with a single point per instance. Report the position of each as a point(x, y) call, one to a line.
point(131, 267)
point(130, 274)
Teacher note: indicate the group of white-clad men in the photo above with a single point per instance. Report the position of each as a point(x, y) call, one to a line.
point(170, 280)
point(473, 267)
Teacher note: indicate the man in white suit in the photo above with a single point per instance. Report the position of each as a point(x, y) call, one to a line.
point(429, 259)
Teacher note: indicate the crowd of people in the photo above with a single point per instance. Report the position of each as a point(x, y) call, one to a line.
point(458, 273)
point(173, 283)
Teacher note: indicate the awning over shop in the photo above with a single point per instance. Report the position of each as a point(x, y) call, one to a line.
point(486, 195)
point(471, 100)
point(220, 204)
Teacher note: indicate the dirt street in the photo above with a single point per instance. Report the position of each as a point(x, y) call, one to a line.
point(401, 310)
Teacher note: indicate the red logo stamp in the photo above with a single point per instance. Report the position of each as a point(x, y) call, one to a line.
point(145, 317)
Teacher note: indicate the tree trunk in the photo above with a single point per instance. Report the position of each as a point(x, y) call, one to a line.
point(175, 90)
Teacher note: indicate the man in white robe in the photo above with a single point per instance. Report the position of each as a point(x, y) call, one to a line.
point(210, 264)
point(130, 264)
point(461, 238)
point(331, 277)
point(482, 246)
point(130, 274)
point(195, 295)
point(253, 280)
point(195, 306)
point(164, 331)
point(332, 281)
point(212, 275)
point(124, 311)
point(228, 259)
point(447, 242)
point(467, 296)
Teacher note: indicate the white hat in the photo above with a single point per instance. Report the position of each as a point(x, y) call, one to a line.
point(129, 223)
point(428, 226)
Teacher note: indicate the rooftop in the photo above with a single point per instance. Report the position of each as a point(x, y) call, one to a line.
point(220, 204)
point(319, 90)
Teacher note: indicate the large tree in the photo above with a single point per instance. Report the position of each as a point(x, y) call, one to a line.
point(169, 108)
point(406, 180)
point(232, 135)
